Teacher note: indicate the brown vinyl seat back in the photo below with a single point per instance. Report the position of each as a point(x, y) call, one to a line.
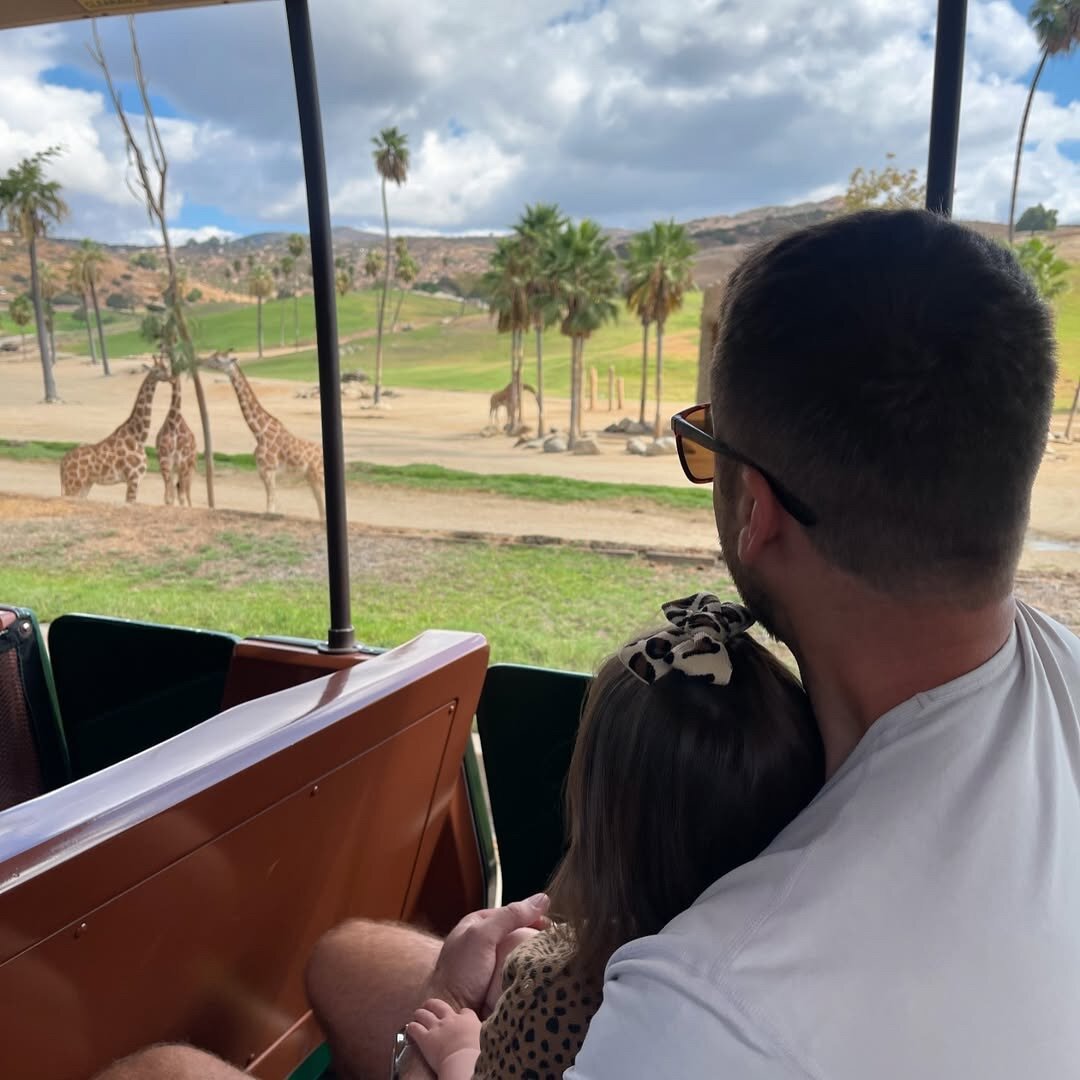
point(176, 895)
point(32, 755)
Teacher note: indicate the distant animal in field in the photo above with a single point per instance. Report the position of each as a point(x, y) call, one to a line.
point(276, 448)
point(501, 399)
point(176, 451)
point(121, 457)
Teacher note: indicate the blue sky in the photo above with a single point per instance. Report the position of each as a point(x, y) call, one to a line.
point(624, 110)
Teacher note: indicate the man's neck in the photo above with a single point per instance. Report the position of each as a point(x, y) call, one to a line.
point(859, 659)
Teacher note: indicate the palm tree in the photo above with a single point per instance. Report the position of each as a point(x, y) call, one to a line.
point(260, 285)
point(1057, 26)
point(391, 156)
point(342, 280)
point(296, 244)
point(373, 264)
point(659, 276)
point(21, 313)
point(92, 260)
point(406, 271)
point(537, 229)
point(77, 284)
point(506, 285)
point(31, 202)
point(581, 267)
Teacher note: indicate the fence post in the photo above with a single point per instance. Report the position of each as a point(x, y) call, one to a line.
point(619, 392)
point(610, 387)
point(593, 381)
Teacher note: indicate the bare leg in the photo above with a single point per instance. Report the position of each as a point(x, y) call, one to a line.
point(269, 479)
point(315, 480)
point(171, 1063)
point(133, 488)
point(170, 482)
point(364, 980)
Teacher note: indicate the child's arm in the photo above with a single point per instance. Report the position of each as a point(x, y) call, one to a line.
point(449, 1040)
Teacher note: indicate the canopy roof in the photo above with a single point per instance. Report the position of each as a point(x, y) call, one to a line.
point(32, 12)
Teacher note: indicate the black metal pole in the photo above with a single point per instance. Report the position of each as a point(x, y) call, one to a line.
point(340, 637)
point(945, 110)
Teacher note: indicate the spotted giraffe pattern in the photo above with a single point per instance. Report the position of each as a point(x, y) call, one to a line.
point(121, 457)
point(276, 448)
point(539, 1023)
point(176, 451)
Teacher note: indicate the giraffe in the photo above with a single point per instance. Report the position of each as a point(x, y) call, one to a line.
point(121, 457)
point(276, 449)
point(176, 451)
point(501, 400)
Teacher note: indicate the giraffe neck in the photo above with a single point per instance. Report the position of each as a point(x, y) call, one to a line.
point(138, 423)
point(174, 403)
point(258, 419)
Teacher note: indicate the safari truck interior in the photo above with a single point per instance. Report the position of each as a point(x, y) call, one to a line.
point(183, 813)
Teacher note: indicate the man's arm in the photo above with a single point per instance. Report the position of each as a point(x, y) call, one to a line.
point(660, 1019)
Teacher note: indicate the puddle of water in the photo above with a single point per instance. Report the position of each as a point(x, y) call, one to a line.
point(1045, 543)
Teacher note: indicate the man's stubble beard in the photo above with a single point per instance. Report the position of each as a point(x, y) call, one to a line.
point(754, 594)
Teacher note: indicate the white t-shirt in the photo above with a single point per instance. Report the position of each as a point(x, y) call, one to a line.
point(920, 920)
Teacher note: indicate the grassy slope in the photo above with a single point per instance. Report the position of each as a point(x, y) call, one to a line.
point(225, 326)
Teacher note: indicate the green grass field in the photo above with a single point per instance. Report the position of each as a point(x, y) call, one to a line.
point(554, 607)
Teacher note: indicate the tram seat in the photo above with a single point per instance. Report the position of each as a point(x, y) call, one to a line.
point(176, 894)
point(124, 685)
point(528, 720)
point(33, 755)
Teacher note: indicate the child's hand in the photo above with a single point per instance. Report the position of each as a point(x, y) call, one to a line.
point(449, 1041)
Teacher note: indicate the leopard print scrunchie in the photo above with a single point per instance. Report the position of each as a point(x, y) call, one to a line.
point(693, 643)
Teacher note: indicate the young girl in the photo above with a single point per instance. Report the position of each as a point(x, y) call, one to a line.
point(696, 748)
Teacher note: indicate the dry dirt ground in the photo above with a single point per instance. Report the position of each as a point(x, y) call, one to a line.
point(429, 427)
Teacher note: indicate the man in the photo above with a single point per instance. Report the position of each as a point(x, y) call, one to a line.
point(880, 399)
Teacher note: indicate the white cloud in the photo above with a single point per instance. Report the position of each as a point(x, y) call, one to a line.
point(621, 112)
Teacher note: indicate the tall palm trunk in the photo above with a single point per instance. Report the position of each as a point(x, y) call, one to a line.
point(397, 310)
point(576, 344)
point(282, 341)
point(39, 314)
point(644, 369)
point(382, 301)
point(100, 329)
point(659, 375)
point(258, 322)
point(296, 311)
point(52, 335)
point(89, 328)
point(539, 380)
point(1020, 141)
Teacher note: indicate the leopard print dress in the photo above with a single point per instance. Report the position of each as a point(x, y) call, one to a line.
point(539, 1023)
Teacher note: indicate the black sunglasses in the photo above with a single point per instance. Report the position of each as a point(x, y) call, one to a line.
point(692, 438)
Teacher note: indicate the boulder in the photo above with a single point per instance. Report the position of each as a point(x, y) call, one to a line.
point(586, 445)
point(637, 446)
point(665, 445)
point(555, 444)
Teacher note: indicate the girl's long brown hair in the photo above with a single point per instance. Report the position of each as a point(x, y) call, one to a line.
point(673, 784)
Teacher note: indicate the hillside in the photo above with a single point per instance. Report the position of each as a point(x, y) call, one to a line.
point(218, 268)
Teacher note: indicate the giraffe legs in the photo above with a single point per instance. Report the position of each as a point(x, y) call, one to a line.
point(315, 479)
point(183, 486)
point(170, 482)
point(269, 479)
point(133, 487)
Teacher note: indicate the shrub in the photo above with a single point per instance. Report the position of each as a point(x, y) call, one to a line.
point(194, 296)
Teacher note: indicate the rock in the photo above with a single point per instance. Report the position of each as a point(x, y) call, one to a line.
point(555, 444)
point(405, 327)
point(637, 446)
point(355, 376)
point(665, 445)
point(586, 445)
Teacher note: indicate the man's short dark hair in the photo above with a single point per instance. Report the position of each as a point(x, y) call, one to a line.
point(896, 372)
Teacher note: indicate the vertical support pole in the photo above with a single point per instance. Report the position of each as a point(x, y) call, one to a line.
point(945, 109)
point(619, 392)
point(340, 637)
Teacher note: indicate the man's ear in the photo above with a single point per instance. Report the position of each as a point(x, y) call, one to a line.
point(761, 523)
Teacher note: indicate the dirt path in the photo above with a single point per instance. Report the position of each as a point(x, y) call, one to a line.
point(430, 427)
